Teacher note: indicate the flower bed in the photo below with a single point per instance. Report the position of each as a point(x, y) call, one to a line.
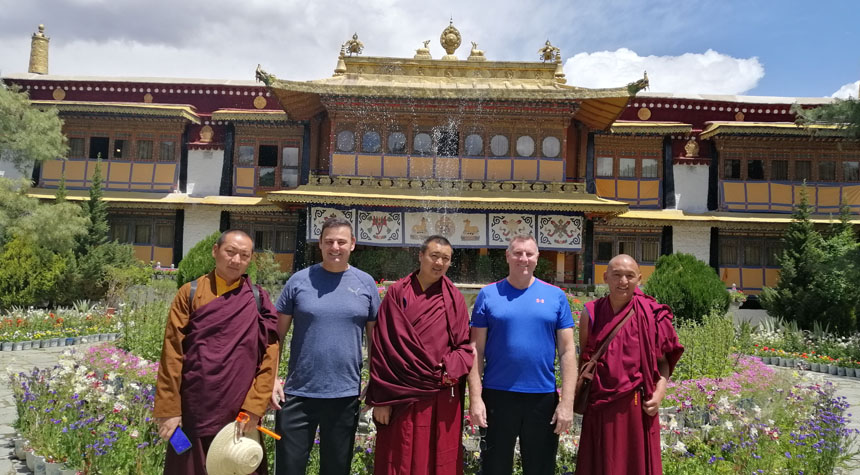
point(757, 420)
point(35, 325)
point(91, 412)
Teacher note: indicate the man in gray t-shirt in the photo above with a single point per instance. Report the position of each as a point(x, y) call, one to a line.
point(330, 304)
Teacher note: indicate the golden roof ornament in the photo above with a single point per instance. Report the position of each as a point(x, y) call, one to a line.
point(549, 53)
point(691, 148)
point(354, 46)
point(450, 41)
point(340, 69)
point(424, 52)
point(476, 54)
point(39, 52)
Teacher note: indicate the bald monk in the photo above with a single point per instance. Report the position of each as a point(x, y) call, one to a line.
point(219, 356)
point(621, 427)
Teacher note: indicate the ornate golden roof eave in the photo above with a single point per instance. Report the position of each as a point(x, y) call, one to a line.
point(155, 111)
point(244, 115)
point(651, 128)
point(599, 108)
point(167, 201)
point(388, 193)
point(716, 129)
point(720, 219)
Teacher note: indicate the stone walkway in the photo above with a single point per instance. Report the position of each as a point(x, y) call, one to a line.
point(41, 358)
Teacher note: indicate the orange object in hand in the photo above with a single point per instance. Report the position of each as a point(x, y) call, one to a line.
point(244, 417)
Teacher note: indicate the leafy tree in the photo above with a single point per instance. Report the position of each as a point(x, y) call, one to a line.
point(27, 134)
point(692, 288)
point(844, 113)
point(199, 261)
point(28, 275)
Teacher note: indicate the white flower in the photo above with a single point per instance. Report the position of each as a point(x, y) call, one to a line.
point(753, 432)
point(723, 403)
point(673, 424)
point(728, 425)
point(680, 447)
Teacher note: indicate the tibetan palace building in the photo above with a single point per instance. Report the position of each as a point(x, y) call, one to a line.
point(474, 149)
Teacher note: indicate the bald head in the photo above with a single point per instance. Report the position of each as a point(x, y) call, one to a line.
point(623, 259)
point(623, 276)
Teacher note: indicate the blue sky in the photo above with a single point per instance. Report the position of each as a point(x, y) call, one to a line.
point(777, 48)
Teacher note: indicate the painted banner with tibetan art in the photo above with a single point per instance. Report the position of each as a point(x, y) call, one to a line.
point(464, 230)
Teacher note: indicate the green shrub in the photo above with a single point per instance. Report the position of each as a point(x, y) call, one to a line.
point(199, 261)
point(691, 287)
point(28, 274)
point(707, 347)
point(386, 263)
point(90, 276)
point(269, 273)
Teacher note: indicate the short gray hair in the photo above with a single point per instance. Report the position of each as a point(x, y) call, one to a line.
point(521, 237)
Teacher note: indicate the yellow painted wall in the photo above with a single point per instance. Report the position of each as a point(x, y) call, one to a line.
point(551, 170)
point(420, 167)
point(600, 269)
point(342, 164)
point(525, 169)
point(395, 166)
point(474, 168)
point(369, 165)
point(447, 167)
point(766, 196)
point(245, 177)
point(285, 260)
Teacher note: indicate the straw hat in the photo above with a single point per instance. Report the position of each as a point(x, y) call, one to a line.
point(232, 455)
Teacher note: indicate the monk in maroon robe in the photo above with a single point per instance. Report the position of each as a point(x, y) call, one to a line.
point(621, 428)
point(219, 356)
point(420, 357)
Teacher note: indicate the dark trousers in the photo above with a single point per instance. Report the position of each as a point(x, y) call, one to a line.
point(524, 415)
point(297, 423)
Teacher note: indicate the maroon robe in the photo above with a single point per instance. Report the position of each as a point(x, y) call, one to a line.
point(420, 338)
point(224, 344)
point(617, 436)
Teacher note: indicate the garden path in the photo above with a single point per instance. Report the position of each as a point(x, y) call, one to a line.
point(44, 357)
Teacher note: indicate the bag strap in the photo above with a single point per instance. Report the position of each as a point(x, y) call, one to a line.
point(254, 289)
point(599, 353)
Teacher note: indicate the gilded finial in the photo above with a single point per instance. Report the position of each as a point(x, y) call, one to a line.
point(476, 54)
point(39, 52)
point(691, 148)
point(549, 53)
point(340, 69)
point(450, 41)
point(354, 46)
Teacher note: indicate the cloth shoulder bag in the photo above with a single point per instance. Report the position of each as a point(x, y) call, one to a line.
point(587, 369)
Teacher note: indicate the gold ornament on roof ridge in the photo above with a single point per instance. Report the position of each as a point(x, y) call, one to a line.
point(476, 54)
point(423, 52)
point(549, 53)
point(354, 46)
point(450, 40)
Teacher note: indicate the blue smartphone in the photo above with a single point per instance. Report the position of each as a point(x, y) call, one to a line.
point(180, 441)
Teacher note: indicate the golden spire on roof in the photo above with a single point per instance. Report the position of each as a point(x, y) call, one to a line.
point(423, 52)
point(39, 52)
point(450, 41)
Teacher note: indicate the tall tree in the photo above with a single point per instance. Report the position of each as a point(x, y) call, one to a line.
point(27, 134)
point(96, 209)
point(844, 113)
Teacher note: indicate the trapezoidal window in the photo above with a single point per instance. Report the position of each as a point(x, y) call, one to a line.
point(448, 143)
point(99, 147)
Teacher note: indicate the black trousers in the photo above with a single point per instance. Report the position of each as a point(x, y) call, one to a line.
point(524, 415)
point(297, 423)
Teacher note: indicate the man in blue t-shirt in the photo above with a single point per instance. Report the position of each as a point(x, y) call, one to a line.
point(517, 325)
point(330, 304)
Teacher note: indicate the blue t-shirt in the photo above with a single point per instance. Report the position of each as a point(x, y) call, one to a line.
point(330, 311)
point(521, 334)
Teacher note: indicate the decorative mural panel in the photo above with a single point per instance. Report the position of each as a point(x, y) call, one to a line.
point(464, 230)
point(505, 226)
point(380, 228)
point(319, 215)
point(469, 230)
point(560, 232)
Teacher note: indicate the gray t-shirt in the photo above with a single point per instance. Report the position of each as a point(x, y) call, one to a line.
point(330, 311)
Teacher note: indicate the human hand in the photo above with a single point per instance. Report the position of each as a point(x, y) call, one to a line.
point(382, 414)
point(477, 411)
point(245, 425)
point(277, 395)
point(167, 425)
point(562, 418)
point(652, 406)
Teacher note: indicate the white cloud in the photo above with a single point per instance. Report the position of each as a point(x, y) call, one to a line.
point(697, 73)
point(848, 90)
